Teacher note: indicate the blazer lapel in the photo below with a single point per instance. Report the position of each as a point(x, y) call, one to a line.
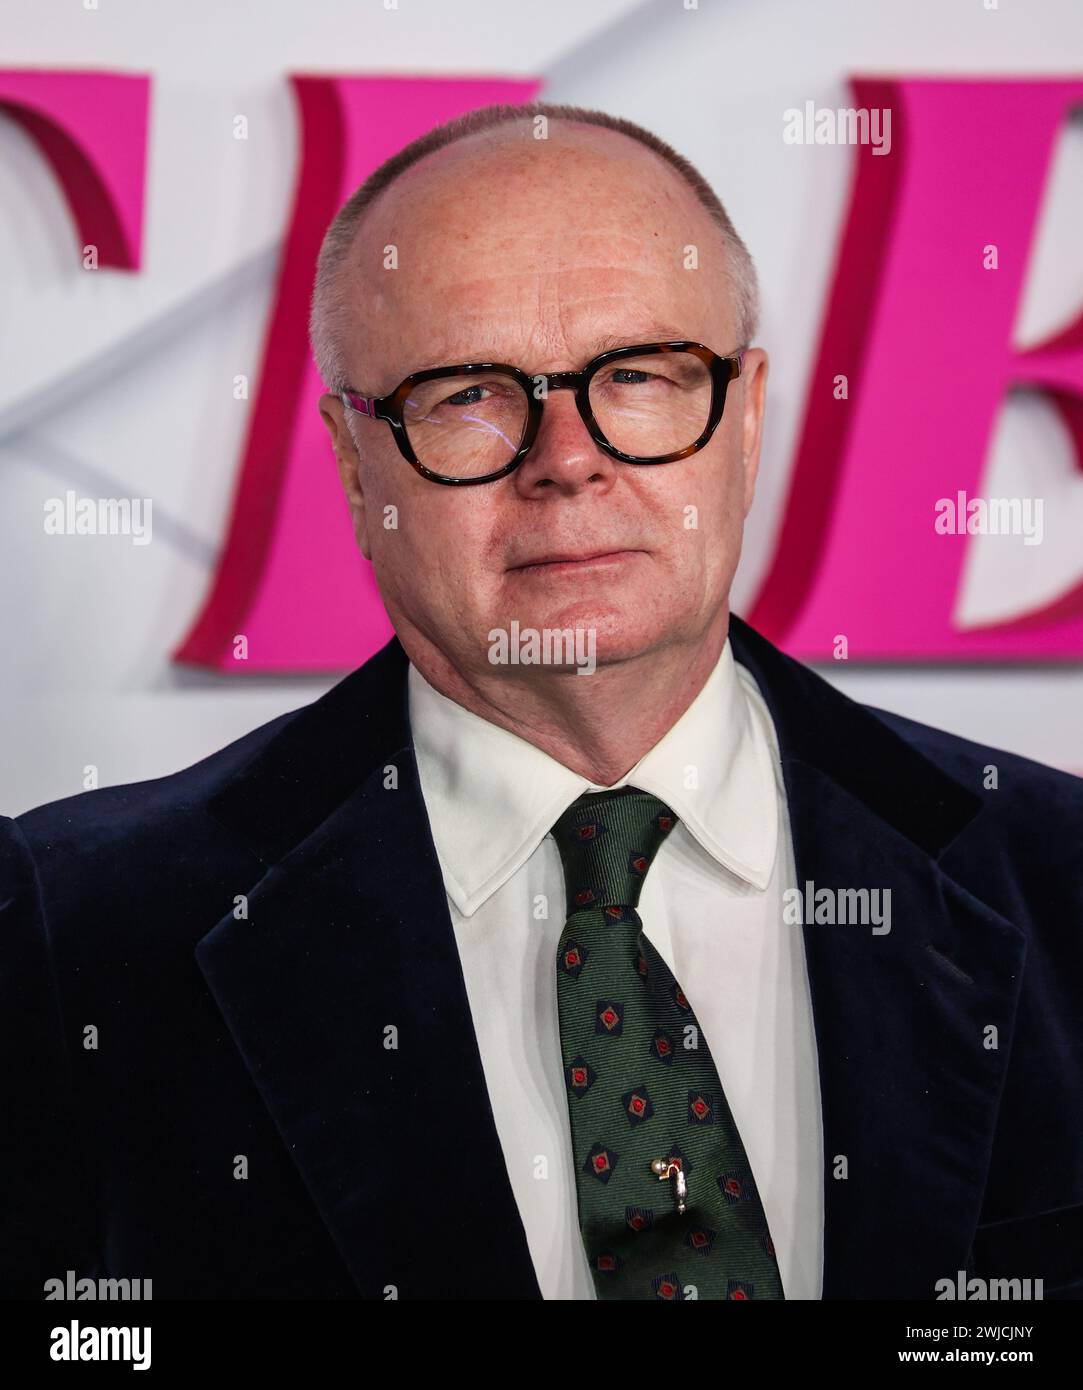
point(344, 993)
point(909, 1082)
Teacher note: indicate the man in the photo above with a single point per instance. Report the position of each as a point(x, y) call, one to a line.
point(653, 969)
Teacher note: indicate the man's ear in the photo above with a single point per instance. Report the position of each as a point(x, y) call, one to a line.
point(753, 397)
point(333, 414)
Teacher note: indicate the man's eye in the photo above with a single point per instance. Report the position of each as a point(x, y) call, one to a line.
point(469, 395)
point(624, 373)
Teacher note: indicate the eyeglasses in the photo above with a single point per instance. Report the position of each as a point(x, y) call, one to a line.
point(651, 403)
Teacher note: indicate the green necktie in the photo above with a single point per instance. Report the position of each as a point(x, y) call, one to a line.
point(651, 1129)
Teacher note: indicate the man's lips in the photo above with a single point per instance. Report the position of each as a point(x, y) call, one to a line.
point(568, 560)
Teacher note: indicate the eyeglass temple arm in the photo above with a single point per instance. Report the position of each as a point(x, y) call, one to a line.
point(363, 405)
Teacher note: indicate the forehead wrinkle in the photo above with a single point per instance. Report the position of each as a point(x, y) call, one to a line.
point(578, 291)
point(454, 259)
point(438, 230)
point(561, 335)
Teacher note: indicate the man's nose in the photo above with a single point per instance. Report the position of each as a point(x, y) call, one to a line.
point(563, 456)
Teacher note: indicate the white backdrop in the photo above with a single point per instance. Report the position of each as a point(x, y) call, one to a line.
point(121, 384)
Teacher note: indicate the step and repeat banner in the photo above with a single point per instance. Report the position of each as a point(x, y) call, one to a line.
point(180, 563)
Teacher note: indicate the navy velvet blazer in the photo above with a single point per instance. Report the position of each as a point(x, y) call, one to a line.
point(371, 1169)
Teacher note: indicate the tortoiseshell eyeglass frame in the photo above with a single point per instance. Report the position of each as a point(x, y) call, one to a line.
point(389, 408)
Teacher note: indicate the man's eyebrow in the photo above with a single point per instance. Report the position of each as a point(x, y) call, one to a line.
point(657, 334)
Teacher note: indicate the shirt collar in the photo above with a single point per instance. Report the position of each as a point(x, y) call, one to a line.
point(492, 797)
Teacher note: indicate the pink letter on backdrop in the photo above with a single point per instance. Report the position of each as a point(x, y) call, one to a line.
point(92, 128)
point(922, 331)
point(291, 578)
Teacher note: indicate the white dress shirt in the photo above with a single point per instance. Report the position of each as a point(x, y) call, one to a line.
point(711, 905)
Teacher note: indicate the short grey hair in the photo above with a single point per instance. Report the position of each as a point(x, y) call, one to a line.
point(327, 319)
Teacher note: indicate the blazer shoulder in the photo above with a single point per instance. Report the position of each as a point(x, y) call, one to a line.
point(1023, 850)
point(128, 811)
point(983, 768)
point(173, 818)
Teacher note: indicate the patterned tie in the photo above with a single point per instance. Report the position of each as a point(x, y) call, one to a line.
point(642, 1088)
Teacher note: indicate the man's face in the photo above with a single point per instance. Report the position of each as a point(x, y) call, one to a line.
point(542, 254)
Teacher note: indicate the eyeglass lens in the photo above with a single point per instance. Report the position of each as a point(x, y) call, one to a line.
point(466, 426)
